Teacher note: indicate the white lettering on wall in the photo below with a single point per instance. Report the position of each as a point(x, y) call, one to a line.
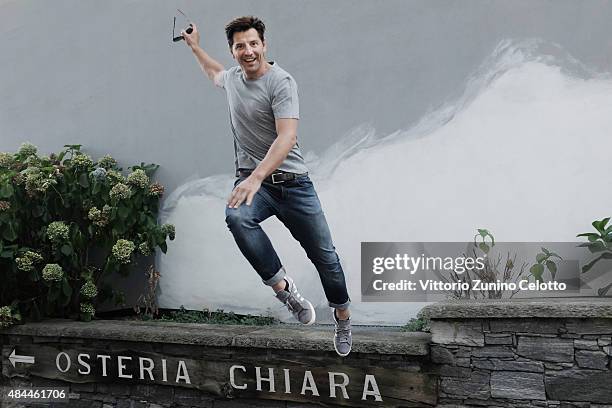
point(370, 380)
point(57, 361)
point(333, 385)
point(233, 378)
point(83, 363)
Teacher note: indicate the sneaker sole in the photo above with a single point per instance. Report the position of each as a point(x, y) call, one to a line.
point(314, 315)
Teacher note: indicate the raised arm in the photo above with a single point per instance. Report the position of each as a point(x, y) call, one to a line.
point(211, 67)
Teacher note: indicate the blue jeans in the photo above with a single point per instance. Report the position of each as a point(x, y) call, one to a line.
point(296, 204)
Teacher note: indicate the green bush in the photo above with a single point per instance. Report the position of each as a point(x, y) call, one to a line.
point(67, 224)
point(418, 324)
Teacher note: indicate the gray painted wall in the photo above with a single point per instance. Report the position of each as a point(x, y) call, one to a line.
point(104, 73)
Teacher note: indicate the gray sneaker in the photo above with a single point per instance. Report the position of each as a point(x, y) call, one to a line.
point(343, 338)
point(302, 309)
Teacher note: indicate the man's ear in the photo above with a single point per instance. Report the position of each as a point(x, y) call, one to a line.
point(265, 48)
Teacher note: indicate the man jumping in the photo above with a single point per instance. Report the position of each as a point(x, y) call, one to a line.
point(272, 178)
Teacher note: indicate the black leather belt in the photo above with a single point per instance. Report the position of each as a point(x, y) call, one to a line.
point(275, 178)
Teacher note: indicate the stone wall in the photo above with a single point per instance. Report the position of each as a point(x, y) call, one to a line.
point(138, 364)
point(523, 354)
point(553, 353)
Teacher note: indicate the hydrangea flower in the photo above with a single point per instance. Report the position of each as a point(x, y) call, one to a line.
point(26, 262)
point(144, 249)
point(94, 213)
point(5, 206)
point(57, 231)
point(81, 161)
point(115, 176)
point(122, 250)
point(18, 179)
point(6, 160)
point(97, 217)
point(156, 190)
point(27, 149)
point(169, 230)
point(53, 273)
point(138, 178)
point(99, 173)
point(120, 191)
point(87, 308)
point(106, 210)
point(89, 290)
point(6, 317)
point(107, 162)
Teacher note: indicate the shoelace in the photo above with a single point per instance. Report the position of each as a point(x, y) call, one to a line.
point(343, 333)
point(289, 303)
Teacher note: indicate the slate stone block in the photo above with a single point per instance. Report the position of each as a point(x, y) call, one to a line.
point(597, 360)
point(554, 350)
point(517, 385)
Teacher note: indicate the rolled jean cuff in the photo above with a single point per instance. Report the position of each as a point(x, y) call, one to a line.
point(342, 306)
point(278, 276)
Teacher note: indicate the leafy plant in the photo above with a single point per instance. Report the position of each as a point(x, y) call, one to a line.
point(148, 300)
point(67, 225)
point(543, 260)
point(418, 324)
point(498, 269)
point(493, 270)
point(483, 245)
point(216, 317)
point(600, 242)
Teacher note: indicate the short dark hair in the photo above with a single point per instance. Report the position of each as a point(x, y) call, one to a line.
point(241, 24)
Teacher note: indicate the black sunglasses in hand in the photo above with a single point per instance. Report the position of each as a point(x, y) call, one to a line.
point(188, 30)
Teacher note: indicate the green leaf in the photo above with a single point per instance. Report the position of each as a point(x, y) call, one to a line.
point(537, 270)
point(65, 302)
point(9, 233)
point(35, 311)
point(123, 212)
point(587, 267)
point(545, 251)
point(83, 180)
point(66, 289)
point(601, 225)
point(73, 146)
point(552, 267)
point(594, 247)
point(590, 235)
point(6, 254)
point(53, 293)
point(6, 191)
point(164, 247)
point(66, 249)
point(540, 257)
point(37, 211)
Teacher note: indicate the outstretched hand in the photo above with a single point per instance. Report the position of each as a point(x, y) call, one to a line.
point(244, 191)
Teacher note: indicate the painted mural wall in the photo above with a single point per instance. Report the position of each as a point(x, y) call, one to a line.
point(421, 121)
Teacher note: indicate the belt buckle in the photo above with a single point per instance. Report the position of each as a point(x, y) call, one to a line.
point(274, 180)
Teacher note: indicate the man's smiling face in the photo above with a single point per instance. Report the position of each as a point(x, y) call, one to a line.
point(249, 51)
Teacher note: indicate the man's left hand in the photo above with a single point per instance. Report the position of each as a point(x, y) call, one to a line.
point(245, 190)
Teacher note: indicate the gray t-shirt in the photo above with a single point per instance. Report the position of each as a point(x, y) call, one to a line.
point(253, 107)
